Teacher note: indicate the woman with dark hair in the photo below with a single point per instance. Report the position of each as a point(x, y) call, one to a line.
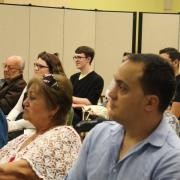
point(46, 63)
point(51, 61)
point(49, 152)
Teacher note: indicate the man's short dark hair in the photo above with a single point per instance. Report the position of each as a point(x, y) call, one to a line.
point(158, 77)
point(126, 53)
point(88, 51)
point(172, 52)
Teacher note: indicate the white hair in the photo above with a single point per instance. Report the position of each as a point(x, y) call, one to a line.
point(19, 60)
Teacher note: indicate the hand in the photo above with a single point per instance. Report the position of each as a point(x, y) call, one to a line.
point(17, 170)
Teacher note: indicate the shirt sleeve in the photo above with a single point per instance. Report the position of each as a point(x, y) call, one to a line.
point(17, 108)
point(96, 91)
point(168, 167)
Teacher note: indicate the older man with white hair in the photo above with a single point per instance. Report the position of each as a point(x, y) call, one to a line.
point(13, 84)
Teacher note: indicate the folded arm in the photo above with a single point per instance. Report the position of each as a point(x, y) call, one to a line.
point(17, 170)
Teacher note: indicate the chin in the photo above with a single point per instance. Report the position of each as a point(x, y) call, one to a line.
point(25, 116)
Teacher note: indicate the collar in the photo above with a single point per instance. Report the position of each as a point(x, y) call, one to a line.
point(159, 135)
point(8, 81)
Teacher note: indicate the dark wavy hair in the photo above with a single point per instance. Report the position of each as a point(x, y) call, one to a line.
point(53, 62)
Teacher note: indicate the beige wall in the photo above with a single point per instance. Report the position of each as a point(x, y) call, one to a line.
point(119, 5)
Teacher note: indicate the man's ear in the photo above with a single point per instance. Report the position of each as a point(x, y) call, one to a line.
point(89, 59)
point(176, 62)
point(151, 103)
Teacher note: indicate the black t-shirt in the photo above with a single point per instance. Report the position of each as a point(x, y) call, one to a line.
point(89, 87)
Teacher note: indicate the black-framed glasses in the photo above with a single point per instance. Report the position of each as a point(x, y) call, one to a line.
point(50, 81)
point(78, 57)
point(39, 66)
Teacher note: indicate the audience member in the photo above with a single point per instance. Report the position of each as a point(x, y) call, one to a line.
point(51, 150)
point(3, 130)
point(173, 57)
point(13, 83)
point(87, 84)
point(125, 56)
point(140, 144)
point(46, 63)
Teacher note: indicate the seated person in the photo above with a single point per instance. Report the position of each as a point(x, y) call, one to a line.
point(49, 152)
point(46, 63)
point(3, 129)
point(14, 83)
point(139, 144)
point(87, 84)
point(172, 55)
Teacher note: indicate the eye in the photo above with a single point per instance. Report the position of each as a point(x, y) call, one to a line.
point(32, 97)
point(122, 86)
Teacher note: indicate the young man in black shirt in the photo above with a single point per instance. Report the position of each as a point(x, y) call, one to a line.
point(87, 84)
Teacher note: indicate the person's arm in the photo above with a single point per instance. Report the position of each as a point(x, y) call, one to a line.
point(19, 125)
point(18, 108)
point(11, 96)
point(168, 167)
point(80, 102)
point(17, 170)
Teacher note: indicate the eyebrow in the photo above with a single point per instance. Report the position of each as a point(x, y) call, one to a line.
point(121, 82)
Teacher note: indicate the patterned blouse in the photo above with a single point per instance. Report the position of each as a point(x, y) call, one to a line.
point(50, 155)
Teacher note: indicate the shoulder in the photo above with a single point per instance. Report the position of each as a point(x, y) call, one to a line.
point(104, 130)
point(19, 81)
point(173, 141)
point(96, 76)
point(75, 75)
point(63, 133)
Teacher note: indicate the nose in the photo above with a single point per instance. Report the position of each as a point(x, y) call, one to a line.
point(36, 68)
point(26, 102)
point(112, 92)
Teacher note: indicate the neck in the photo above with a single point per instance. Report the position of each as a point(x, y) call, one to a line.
point(44, 129)
point(142, 129)
point(136, 133)
point(86, 70)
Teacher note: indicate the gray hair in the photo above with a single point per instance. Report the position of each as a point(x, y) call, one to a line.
point(20, 61)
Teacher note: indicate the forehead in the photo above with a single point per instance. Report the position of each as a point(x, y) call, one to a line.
point(11, 61)
point(34, 88)
point(41, 61)
point(79, 54)
point(165, 56)
point(129, 72)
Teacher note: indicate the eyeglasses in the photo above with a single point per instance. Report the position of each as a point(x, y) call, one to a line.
point(39, 66)
point(50, 81)
point(10, 67)
point(78, 57)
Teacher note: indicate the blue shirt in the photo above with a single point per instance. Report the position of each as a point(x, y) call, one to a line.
point(155, 158)
point(3, 129)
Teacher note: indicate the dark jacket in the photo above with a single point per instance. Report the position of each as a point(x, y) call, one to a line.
point(10, 93)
